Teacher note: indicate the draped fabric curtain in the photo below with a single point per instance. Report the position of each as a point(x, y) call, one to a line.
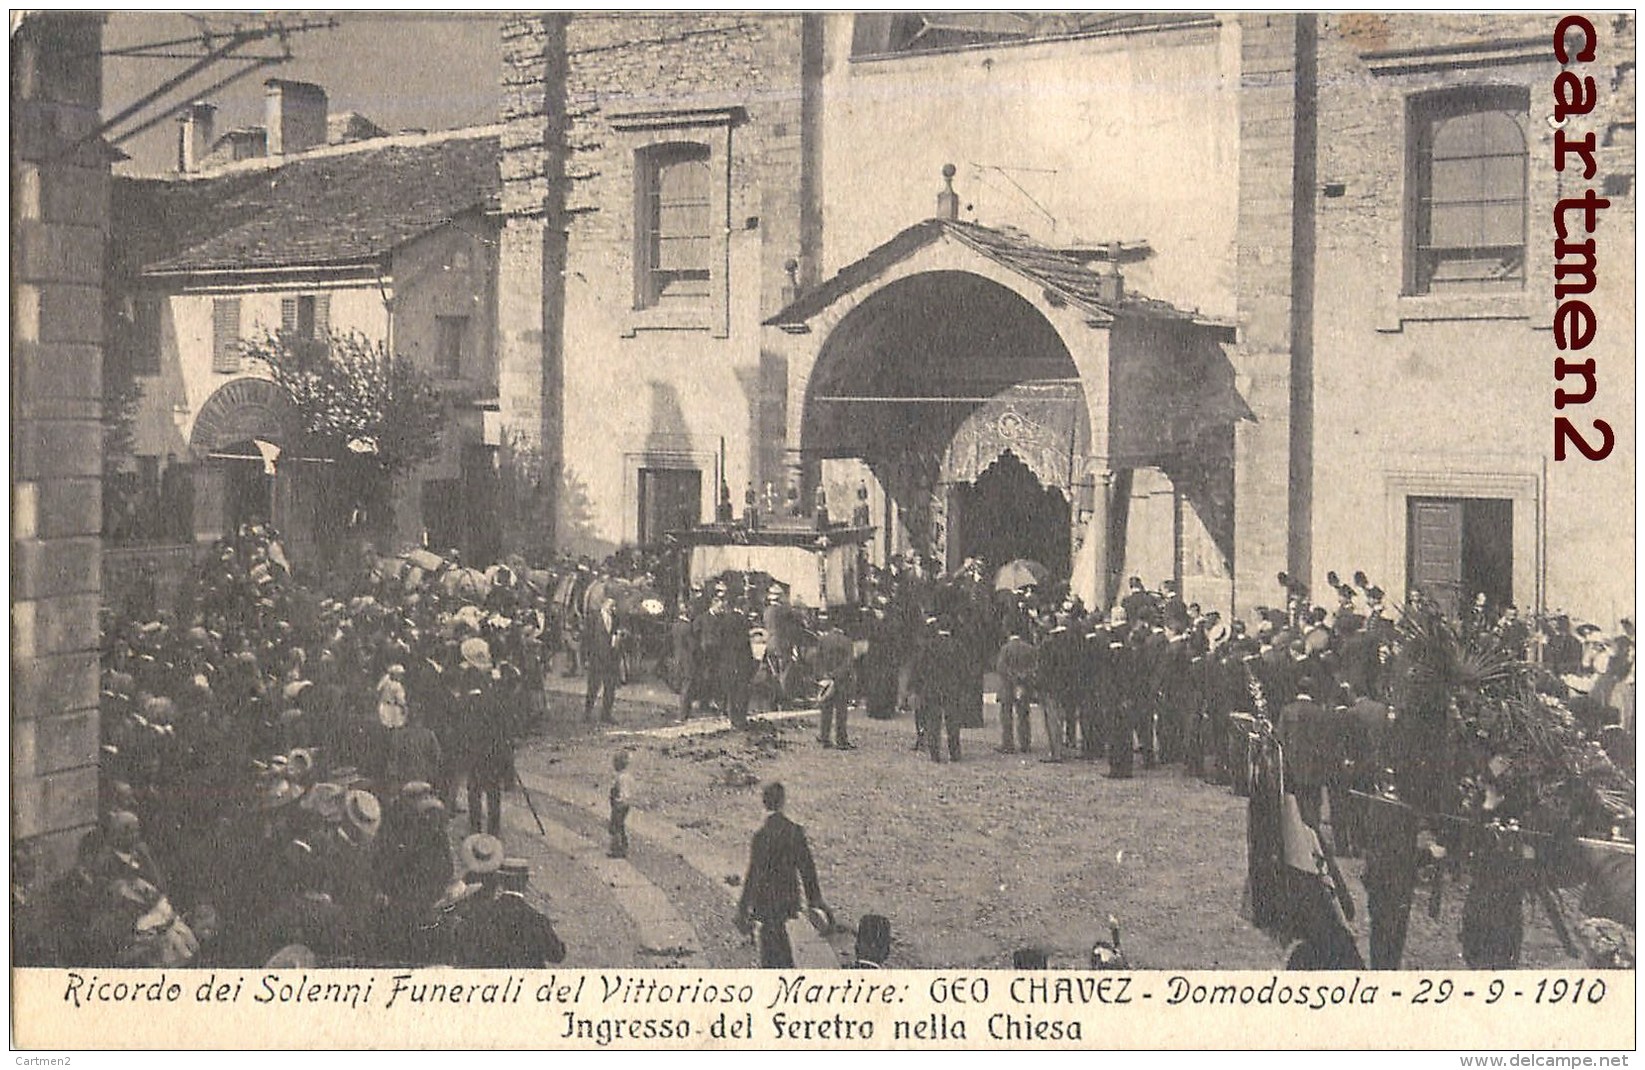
point(1039, 423)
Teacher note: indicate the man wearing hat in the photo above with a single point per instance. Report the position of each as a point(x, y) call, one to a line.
point(779, 865)
point(1016, 665)
point(1129, 683)
point(602, 656)
point(835, 664)
point(879, 664)
point(507, 932)
point(487, 751)
point(686, 665)
point(782, 628)
point(728, 656)
point(481, 858)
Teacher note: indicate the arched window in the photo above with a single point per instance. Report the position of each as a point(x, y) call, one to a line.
point(674, 228)
point(1467, 217)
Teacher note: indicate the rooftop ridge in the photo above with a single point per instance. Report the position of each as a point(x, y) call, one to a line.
point(318, 152)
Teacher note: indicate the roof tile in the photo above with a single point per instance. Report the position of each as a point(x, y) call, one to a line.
point(319, 210)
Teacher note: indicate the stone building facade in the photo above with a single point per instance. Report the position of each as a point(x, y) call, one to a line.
point(59, 230)
point(1256, 175)
point(392, 239)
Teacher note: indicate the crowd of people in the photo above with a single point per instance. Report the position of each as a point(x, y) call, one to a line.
point(284, 770)
point(280, 772)
point(1301, 706)
point(1153, 678)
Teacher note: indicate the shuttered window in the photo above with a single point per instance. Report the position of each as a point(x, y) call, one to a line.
point(225, 335)
point(305, 320)
point(307, 316)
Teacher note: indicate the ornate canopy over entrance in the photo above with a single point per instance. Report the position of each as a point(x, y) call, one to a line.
point(953, 346)
point(1039, 423)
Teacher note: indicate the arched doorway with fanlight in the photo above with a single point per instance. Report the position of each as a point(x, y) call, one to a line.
point(241, 442)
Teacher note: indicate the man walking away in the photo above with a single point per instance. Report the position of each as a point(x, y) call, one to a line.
point(835, 658)
point(1016, 664)
point(489, 750)
point(779, 863)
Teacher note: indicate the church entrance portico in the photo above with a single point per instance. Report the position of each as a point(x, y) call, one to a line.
point(1003, 394)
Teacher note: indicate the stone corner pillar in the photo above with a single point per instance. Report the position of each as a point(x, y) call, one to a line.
point(59, 231)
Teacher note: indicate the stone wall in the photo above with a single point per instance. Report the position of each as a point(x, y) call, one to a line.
point(1263, 358)
point(1452, 395)
point(633, 392)
point(59, 227)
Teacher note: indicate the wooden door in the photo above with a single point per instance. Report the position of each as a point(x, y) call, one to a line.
point(1434, 541)
point(671, 499)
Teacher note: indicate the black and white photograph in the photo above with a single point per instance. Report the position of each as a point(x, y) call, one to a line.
point(1140, 492)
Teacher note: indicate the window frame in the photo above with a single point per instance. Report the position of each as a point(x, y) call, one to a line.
point(444, 369)
point(643, 135)
point(651, 164)
point(1424, 113)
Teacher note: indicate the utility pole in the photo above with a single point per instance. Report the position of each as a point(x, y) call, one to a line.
point(531, 287)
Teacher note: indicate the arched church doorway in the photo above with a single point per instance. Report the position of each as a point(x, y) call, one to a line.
point(1006, 514)
point(960, 398)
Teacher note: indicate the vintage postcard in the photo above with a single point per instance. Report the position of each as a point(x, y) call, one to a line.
point(922, 530)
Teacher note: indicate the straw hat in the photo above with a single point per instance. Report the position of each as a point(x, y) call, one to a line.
point(300, 762)
point(363, 811)
point(291, 957)
point(481, 853)
point(325, 799)
point(475, 653)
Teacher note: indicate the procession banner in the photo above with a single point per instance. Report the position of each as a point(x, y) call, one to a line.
point(686, 1010)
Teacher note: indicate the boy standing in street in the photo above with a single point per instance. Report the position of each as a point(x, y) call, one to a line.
point(622, 799)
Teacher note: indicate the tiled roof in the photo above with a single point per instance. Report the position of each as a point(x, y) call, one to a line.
point(1060, 271)
point(326, 209)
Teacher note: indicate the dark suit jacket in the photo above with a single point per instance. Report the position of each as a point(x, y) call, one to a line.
point(599, 642)
point(778, 863)
point(508, 933)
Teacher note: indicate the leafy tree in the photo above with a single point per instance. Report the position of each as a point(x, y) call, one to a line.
point(372, 414)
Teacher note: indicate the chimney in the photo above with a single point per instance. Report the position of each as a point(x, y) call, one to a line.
point(948, 202)
point(295, 116)
point(194, 135)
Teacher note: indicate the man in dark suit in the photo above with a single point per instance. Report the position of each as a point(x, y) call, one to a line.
point(836, 668)
point(506, 932)
point(779, 862)
point(728, 656)
point(603, 659)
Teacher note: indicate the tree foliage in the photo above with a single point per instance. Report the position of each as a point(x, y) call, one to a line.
point(356, 402)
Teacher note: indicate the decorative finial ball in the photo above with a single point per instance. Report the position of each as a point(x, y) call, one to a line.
point(949, 170)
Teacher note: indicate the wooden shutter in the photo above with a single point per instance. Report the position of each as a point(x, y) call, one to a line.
point(322, 315)
point(225, 335)
point(288, 315)
point(146, 326)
